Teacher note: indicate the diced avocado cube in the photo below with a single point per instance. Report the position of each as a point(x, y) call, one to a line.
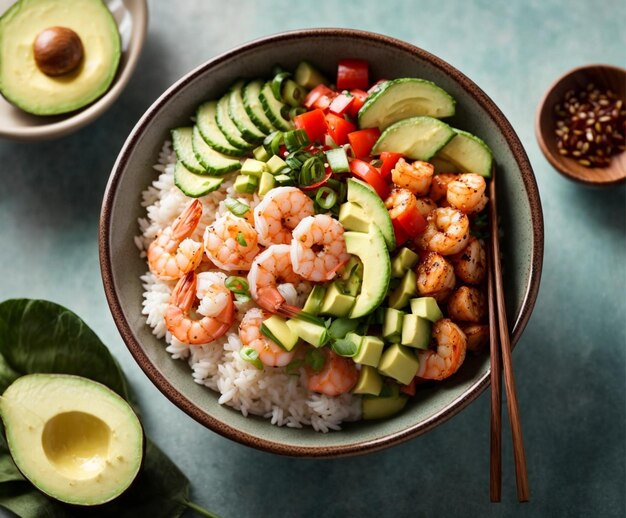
point(353, 217)
point(392, 325)
point(314, 334)
point(246, 183)
point(261, 154)
point(314, 301)
point(336, 303)
point(399, 362)
point(378, 407)
point(352, 286)
point(276, 164)
point(351, 267)
point(277, 330)
point(267, 183)
point(369, 382)
point(402, 294)
point(415, 331)
point(403, 261)
point(253, 167)
point(370, 351)
point(426, 307)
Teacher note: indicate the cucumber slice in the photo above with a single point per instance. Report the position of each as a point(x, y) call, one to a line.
point(181, 141)
point(211, 133)
point(468, 153)
point(253, 107)
point(192, 184)
point(417, 138)
point(273, 108)
point(213, 161)
point(239, 116)
point(227, 126)
point(403, 98)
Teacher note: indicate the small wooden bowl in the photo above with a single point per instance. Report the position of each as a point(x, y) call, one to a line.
point(603, 77)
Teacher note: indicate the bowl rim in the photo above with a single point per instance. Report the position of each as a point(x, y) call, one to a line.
point(359, 447)
point(83, 116)
point(542, 138)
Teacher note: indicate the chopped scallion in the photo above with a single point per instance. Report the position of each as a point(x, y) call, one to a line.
point(293, 366)
point(241, 239)
point(237, 207)
point(315, 359)
point(312, 171)
point(326, 197)
point(296, 139)
point(237, 285)
point(252, 356)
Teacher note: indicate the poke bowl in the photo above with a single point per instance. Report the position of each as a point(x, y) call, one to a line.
point(252, 357)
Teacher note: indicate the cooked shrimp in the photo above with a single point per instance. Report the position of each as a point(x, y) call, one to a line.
point(470, 264)
point(446, 233)
point(415, 176)
point(435, 277)
point(270, 268)
point(467, 303)
point(439, 185)
point(318, 248)
point(450, 353)
point(467, 193)
point(172, 254)
point(190, 329)
point(477, 336)
point(425, 206)
point(231, 243)
point(270, 353)
point(278, 214)
point(338, 376)
point(400, 200)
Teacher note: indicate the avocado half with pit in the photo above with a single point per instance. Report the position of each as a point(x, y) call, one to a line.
point(57, 56)
point(73, 438)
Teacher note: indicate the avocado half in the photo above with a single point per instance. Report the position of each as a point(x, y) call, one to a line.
point(75, 439)
point(21, 81)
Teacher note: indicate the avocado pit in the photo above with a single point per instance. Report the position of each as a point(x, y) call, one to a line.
point(57, 51)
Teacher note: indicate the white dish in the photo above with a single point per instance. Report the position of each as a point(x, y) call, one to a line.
point(132, 20)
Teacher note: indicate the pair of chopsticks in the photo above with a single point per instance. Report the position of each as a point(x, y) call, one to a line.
point(500, 350)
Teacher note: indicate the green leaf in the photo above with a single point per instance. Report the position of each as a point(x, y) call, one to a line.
point(38, 336)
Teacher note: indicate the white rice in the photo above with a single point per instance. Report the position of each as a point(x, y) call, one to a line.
point(272, 393)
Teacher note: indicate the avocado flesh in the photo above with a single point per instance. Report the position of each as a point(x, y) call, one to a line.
point(21, 81)
point(74, 439)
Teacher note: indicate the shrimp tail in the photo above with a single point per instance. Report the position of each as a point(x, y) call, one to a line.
point(289, 311)
point(184, 293)
point(188, 220)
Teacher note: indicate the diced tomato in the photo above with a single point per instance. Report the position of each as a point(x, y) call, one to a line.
point(401, 235)
point(363, 140)
point(341, 103)
point(410, 219)
point(313, 122)
point(320, 97)
point(389, 162)
point(339, 128)
point(352, 73)
point(410, 388)
point(359, 99)
point(368, 173)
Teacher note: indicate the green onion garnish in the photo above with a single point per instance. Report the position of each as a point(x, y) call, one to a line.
point(344, 347)
point(296, 139)
point(315, 359)
point(238, 208)
point(312, 171)
point(340, 327)
point(237, 285)
point(272, 142)
point(293, 366)
point(252, 356)
point(338, 160)
point(241, 240)
point(326, 197)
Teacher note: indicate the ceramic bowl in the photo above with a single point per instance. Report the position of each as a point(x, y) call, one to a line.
point(132, 21)
point(603, 77)
point(121, 266)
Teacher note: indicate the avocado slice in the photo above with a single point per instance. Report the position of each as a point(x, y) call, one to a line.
point(403, 98)
point(366, 198)
point(417, 138)
point(468, 153)
point(25, 85)
point(73, 438)
point(371, 249)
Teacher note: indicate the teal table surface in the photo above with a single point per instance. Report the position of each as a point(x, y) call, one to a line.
point(569, 364)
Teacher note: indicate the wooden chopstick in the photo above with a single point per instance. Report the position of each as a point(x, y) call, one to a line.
point(495, 438)
point(519, 456)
